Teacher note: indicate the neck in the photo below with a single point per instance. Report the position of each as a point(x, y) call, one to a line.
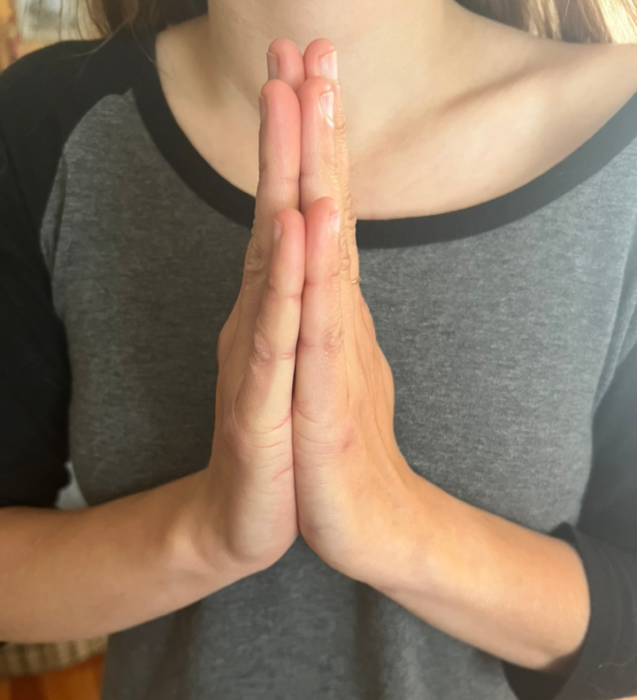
point(394, 55)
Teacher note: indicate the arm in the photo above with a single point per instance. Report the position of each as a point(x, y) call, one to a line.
point(513, 592)
point(510, 591)
point(77, 574)
point(559, 610)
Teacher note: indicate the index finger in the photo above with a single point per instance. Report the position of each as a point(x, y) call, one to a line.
point(321, 62)
point(277, 190)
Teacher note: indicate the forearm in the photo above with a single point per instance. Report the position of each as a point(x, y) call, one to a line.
point(505, 589)
point(77, 574)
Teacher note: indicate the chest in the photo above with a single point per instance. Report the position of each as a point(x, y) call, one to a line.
point(497, 342)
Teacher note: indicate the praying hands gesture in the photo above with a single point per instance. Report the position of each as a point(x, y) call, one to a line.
point(351, 481)
point(304, 440)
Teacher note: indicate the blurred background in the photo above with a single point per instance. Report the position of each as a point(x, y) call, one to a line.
point(27, 25)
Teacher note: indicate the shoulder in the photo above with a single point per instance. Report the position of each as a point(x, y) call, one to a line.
point(66, 78)
point(620, 64)
point(590, 78)
point(45, 94)
point(75, 71)
point(568, 92)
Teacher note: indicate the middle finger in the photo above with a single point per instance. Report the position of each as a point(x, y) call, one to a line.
point(330, 162)
point(277, 189)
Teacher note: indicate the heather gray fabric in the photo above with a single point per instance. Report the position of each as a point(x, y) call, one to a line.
point(501, 346)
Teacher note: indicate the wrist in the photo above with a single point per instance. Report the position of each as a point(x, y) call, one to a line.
point(194, 543)
point(403, 557)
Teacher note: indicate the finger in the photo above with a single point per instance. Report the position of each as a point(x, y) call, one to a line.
point(321, 60)
point(278, 189)
point(285, 62)
point(264, 398)
point(321, 383)
point(321, 177)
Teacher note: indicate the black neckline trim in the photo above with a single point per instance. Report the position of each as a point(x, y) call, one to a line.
point(239, 206)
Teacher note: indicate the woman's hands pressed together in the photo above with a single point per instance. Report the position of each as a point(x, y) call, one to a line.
point(354, 489)
point(304, 440)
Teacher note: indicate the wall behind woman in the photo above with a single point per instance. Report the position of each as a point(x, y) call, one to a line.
point(27, 25)
point(47, 21)
point(8, 33)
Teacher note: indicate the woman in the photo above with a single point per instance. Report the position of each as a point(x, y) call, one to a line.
point(277, 507)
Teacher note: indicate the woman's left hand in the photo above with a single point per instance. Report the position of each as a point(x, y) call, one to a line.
point(354, 490)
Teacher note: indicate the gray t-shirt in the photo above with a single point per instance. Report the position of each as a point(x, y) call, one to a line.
point(506, 326)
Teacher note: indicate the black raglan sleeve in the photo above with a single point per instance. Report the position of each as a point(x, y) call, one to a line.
point(43, 96)
point(606, 539)
point(34, 370)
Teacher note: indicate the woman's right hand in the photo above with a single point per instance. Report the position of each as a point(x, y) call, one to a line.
point(248, 487)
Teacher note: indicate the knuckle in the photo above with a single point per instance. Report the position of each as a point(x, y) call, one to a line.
point(256, 257)
point(277, 294)
point(348, 205)
point(291, 181)
point(262, 354)
point(271, 288)
point(331, 168)
point(345, 263)
point(342, 438)
point(232, 434)
point(264, 351)
point(332, 340)
point(326, 438)
point(286, 355)
point(343, 442)
point(270, 174)
point(279, 426)
point(340, 130)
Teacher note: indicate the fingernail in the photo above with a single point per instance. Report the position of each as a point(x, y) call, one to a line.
point(335, 220)
point(329, 65)
point(263, 107)
point(273, 66)
point(278, 230)
point(327, 105)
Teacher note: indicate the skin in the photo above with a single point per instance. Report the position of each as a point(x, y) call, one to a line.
point(346, 460)
point(424, 112)
point(482, 94)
